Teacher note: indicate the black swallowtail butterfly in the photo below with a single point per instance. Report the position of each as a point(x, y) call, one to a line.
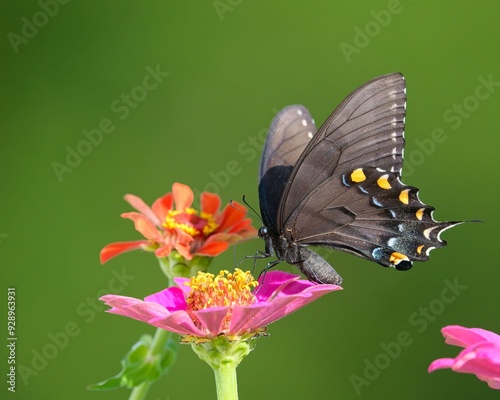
point(340, 186)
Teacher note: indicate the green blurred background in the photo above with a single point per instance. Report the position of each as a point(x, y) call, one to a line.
point(231, 65)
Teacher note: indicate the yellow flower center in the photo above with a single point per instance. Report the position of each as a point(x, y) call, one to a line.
point(224, 290)
point(191, 221)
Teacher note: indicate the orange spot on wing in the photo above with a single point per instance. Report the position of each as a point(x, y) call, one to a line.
point(403, 196)
point(396, 258)
point(383, 182)
point(358, 175)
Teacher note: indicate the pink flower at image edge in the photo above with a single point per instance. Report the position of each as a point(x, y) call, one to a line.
point(279, 295)
point(481, 354)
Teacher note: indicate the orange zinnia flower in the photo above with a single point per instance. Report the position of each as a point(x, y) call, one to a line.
point(172, 224)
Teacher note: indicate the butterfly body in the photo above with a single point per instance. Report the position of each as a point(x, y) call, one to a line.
point(340, 186)
point(311, 264)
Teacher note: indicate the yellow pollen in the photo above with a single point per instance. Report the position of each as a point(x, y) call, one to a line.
point(191, 221)
point(358, 175)
point(420, 213)
point(396, 258)
point(383, 182)
point(419, 249)
point(211, 225)
point(224, 290)
point(403, 196)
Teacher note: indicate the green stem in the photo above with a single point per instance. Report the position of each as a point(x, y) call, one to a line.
point(139, 392)
point(159, 340)
point(223, 356)
point(177, 266)
point(226, 382)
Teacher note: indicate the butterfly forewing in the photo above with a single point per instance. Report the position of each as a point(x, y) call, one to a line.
point(290, 132)
point(367, 128)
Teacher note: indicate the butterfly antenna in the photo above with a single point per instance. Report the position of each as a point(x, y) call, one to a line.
point(254, 214)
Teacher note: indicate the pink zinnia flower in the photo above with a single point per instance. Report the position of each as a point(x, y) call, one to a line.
point(481, 354)
point(204, 307)
point(172, 224)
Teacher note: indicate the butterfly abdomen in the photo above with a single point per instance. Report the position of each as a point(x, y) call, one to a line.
point(316, 268)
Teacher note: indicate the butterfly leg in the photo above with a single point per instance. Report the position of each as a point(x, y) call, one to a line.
point(259, 255)
point(268, 267)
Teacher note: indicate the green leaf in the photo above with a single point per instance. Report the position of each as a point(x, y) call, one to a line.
point(141, 365)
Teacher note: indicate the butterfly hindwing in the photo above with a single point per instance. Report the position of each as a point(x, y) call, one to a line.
point(290, 132)
point(375, 216)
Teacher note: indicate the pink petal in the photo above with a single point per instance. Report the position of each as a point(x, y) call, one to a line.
point(481, 355)
point(134, 308)
point(493, 383)
point(283, 306)
point(246, 319)
point(180, 283)
point(183, 196)
point(272, 282)
point(171, 298)
point(212, 318)
point(441, 363)
point(153, 314)
point(487, 335)
point(483, 358)
point(179, 322)
point(266, 312)
point(142, 207)
point(144, 226)
point(114, 249)
point(460, 336)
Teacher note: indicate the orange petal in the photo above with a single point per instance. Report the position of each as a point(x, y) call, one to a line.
point(210, 203)
point(144, 226)
point(244, 228)
point(183, 196)
point(114, 249)
point(163, 251)
point(184, 250)
point(182, 237)
point(213, 249)
point(142, 207)
point(163, 205)
point(231, 215)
